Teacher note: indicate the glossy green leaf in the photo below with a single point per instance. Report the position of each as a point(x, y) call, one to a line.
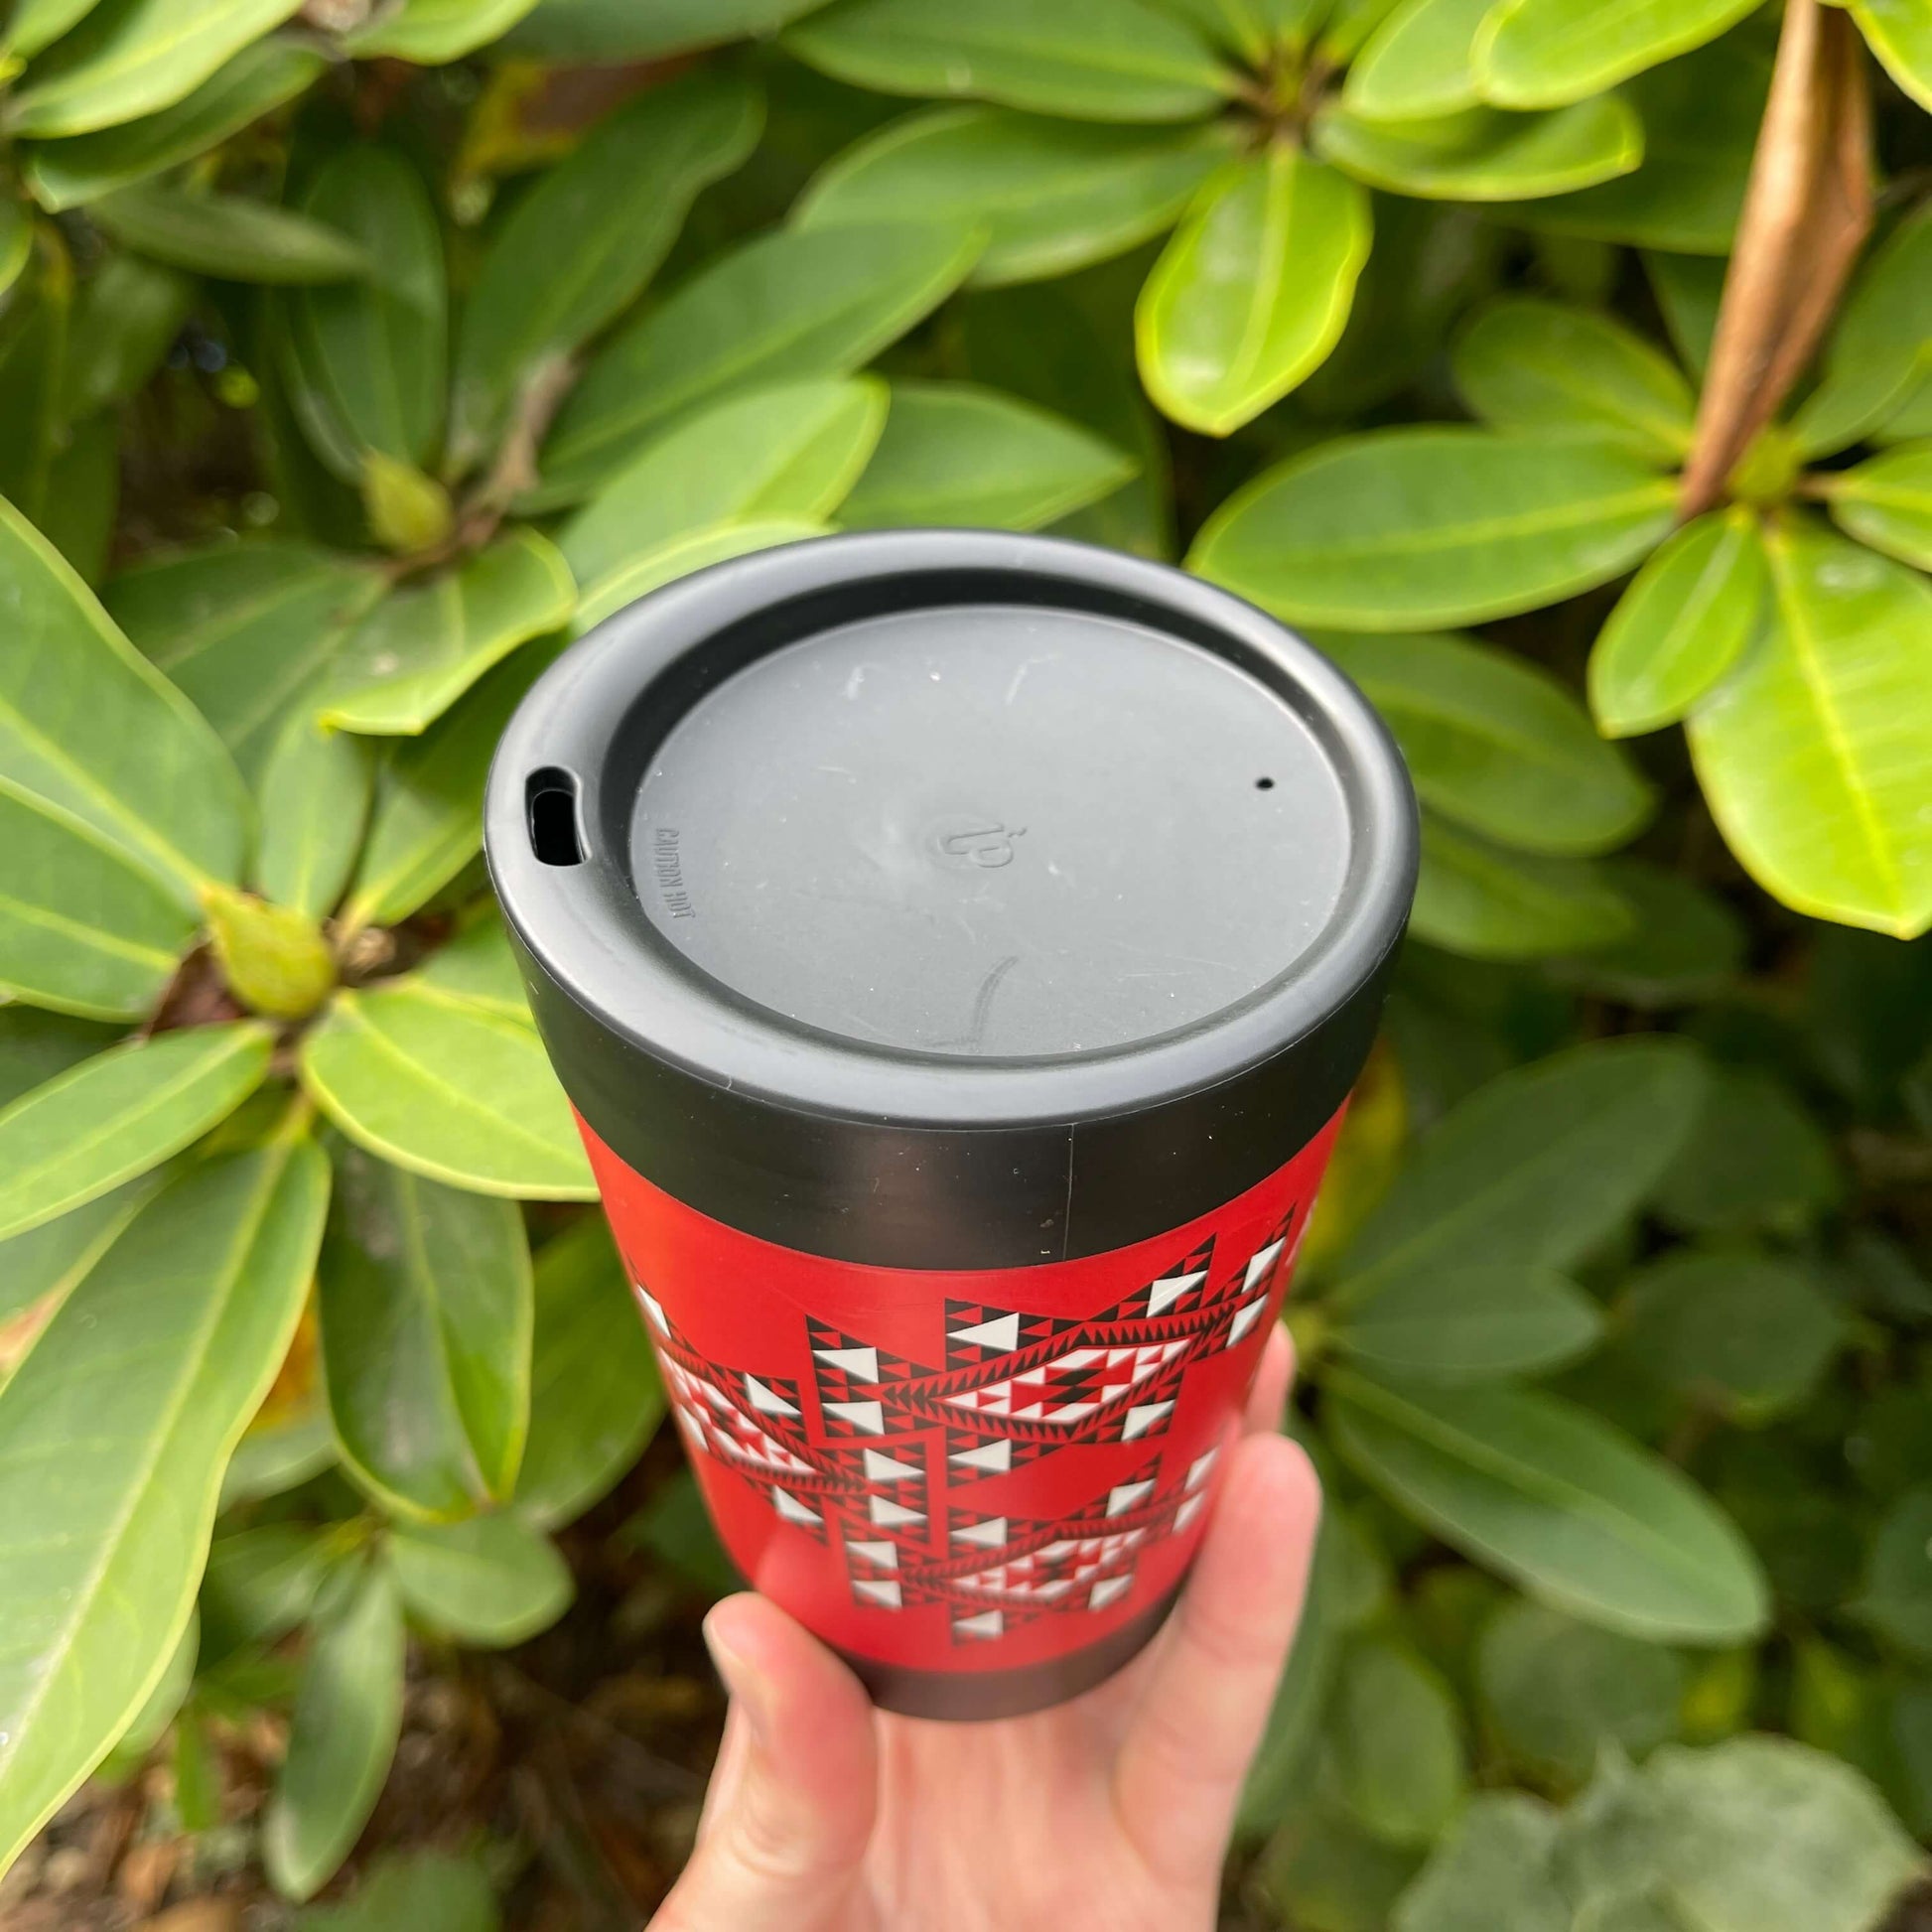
point(119, 1114)
point(697, 550)
point(1755, 1159)
point(1581, 1517)
point(1253, 291)
point(1487, 902)
point(1535, 365)
point(1483, 155)
point(1052, 196)
point(89, 725)
point(1900, 34)
point(1084, 60)
point(792, 450)
point(365, 360)
point(420, 649)
point(577, 250)
point(1470, 1324)
point(1897, 1599)
point(1680, 625)
point(1689, 290)
point(1812, 753)
point(491, 1582)
point(676, 1527)
point(162, 1708)
point(1395, 1744)
point(956, 454)
point(35, 24)
point(1496, 743)
point(82, 928)
point(1887, 502)
point(230, 236)
point(130, 58)
point(1539, 1165)
point(346, 1722)
point(262, 1582)
point(108, 1504)
point(425, 1312)
point(1491, 1872)
point(449, 1088)
point(83, 484)
point(259, 80)
point(798, 303)
point(280, 1454)
point(127, 317)
point(638, 29)
point(54, 1259)
point(432, 33)
point(247, 631)
point(1549, 53)
point(595, 1394)
point(1417, 62)
point(1556, 1691)
point(35, 1046)
point(33, 363)
point(312, 805)
point(427, 821)
point(1688, 943)
point(1746, 1334)
point(16, 240)
point(1405, 527)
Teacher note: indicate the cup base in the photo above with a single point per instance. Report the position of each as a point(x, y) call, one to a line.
point(976, 1697)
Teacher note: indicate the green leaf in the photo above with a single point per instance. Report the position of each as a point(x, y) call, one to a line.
point(1549, 53)
point(1556, 1691)
point(579, 247)
point(274, 958)
point(956, 454)
point(1253, 291)
point(1878, 353)
point(1052, 196)
point(127, 317)
point(676, 1527)
point(1470, 1324)
point(82, 928)
point(347, 1720)
point(638, 29)
point(1897, 1599)
point(262, 1582)
point(33, 375)
point(119, 1114)
point(163, 1706)
point(1577, 1515)
point(1899, 33)
point(1539, 1165)
point(247, 631)
point(1496, 743)
point(788, 452)
point(108, 1504)
point(365, 362)
point(797, 303)
point(1482, 155)
point(35, 24)
point(1417, 62)
point(595, 1394)
point(55, 1257)
point(1491, 1872)
point(1397, 1744)
point(259, 80)
point(35, 1046)
point(16, 240)
point(86, 724)
point(1810, 752)
point(279, 1455)
point(426, 822)
point(420, 649)
point(447, 1087)
point(492, 1582)
point(1755, 1159)
point(1486, 902)
point(1688, 942)
point(1744, 1333)
point(432, 33)
point(1680, 625)
point(1405, 527)
point(1887, 502)
point(407, 512)
point(425, 1311)
point(698, 550)
point(1084, 60)
point(83, 486)
point(1700, 116)
point(131, 58)
point(1535, 365)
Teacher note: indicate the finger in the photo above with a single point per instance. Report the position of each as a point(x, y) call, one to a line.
point(1267, 1406)
point(787, 1821)
point(1178, 1775)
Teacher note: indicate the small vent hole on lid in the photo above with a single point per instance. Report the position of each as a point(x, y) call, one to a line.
point(1264, 784)
point(551, 799)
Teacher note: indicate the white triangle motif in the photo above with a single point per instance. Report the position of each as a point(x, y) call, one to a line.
point(994, 1456)
point(792, 1509)
point(890, 1515)
point(1163, 1295)
point(869, 1416)
point(655, 1308)
point(1197, 1470)
point(990, 1535)
point(1245, 1319)
point(766, 1399)
point(862, 1363)
point(882, 1590)
point(889, 1469)
point(1141, 1420)
point(1259, 1264)
point(1107, 1590)
point(988, 1623)
point(1124, 1495)
point(1001, 1332)
point(884, 1555)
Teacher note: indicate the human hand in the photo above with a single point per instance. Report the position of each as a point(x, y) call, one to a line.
point(825, 1815)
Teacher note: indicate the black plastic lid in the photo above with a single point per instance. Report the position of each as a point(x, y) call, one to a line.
point(945, 898)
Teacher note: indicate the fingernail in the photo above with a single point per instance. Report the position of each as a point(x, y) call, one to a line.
point(743, 1680)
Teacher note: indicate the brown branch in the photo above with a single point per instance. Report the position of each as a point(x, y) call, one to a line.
point(1807, 212)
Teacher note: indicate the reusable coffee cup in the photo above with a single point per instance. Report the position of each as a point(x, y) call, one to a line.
point(958, 948)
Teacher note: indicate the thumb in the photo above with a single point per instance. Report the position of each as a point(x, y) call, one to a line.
point(791, 1804)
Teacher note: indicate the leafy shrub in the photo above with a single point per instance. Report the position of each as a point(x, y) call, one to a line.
point(355, 356)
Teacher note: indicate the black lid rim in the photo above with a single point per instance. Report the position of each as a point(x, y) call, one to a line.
point(585, 928)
